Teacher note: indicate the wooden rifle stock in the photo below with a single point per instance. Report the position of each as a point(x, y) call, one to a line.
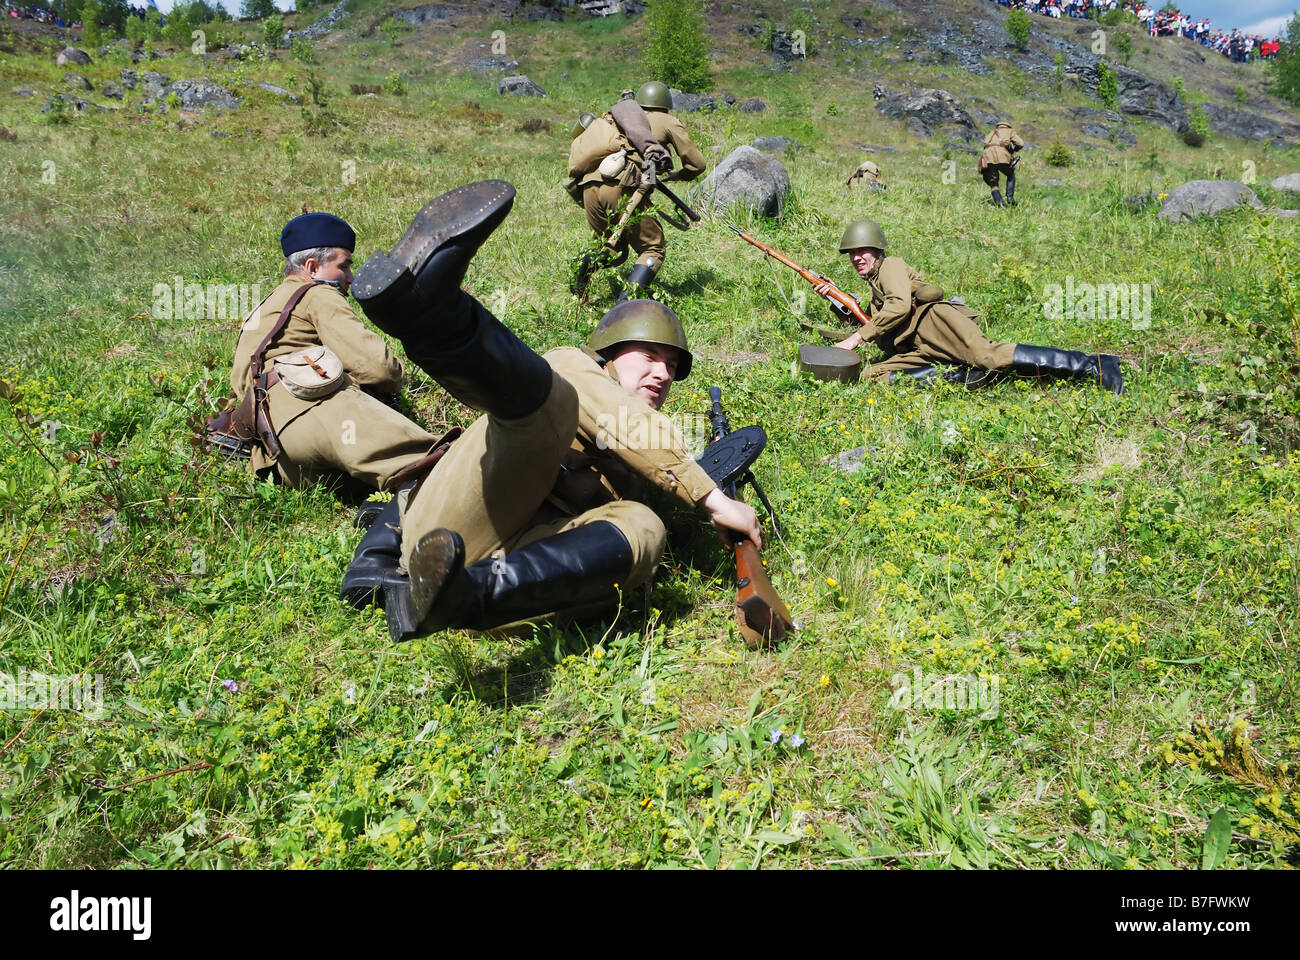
point(761, 615)
point(835, 294)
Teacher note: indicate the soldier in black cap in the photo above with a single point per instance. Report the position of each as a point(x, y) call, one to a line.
point(322, 371)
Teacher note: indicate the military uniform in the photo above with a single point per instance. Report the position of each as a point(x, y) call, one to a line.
point(917, 328)
point(916, 335)
point(997, 160)
point(869, 175)
point(586, 455)
point(601, 200)
point(347, 432)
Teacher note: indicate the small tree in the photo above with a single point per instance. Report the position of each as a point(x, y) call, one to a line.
point(1018, 26)
point(1124, 44)
point(257, 9)
point(1285, 64)
point(1107, 86)
point(152, 25)
point(676, 51)
point(1198, 127)
point(273, 31)
point(90, 23)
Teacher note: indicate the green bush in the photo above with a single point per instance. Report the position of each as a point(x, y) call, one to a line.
point(302, 50)
point(1239, 94)
point(90, 23)
point(1124, 45)
point(273, 31)
point(135, 30)
point(1059, 155)
point(257, 9)
point(1018, 26)
point(1107, 86)
point(676, 51)
point(1113, 18)
point(1198, 127)
point(1285, 66)
point(395, 84)
point(1180, 88)
point(152, 25)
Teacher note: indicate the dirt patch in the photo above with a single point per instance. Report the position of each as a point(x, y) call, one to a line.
point(121, 350)
point(1113, 452)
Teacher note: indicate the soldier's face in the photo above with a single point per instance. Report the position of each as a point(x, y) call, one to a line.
point(646, 370)
point(863, 260)
point(338, 270)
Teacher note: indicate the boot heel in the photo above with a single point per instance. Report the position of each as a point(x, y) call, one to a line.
point(401, 625)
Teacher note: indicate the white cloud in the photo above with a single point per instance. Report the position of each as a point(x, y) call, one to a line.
point(1270, 27)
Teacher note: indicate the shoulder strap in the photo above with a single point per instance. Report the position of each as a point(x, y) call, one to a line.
point(258, 360)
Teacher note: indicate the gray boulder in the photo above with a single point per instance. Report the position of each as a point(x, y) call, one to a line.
point(63, 100)
point(777, 144)
point(1248, 125)
point(519, 86)
point(1207, 198)
point(749, 178)
point(930, 108)
point(691, 102)
point(278, 91)
point(113, 92)
point(77, 82)
point(753, 105)
point(318, 29)
point(129, 78)
point(1140, 96)
point(24, 92)
point(430, 12)
point(1289, 181)
point(195, 96)
point(489, 64)
point(71, 55)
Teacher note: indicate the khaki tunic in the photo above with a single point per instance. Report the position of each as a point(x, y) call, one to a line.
point(999, 145)
point(600, 199)
point(348, 432)
point(914, 336)
point(587, 454)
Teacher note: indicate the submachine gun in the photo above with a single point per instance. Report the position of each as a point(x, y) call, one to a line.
point(761, 614)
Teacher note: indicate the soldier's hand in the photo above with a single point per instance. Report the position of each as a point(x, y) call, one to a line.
point(734, 515)
point(821, 289)
point(852, 341)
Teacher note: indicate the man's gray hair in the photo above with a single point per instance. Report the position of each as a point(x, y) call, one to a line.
point(296, 261)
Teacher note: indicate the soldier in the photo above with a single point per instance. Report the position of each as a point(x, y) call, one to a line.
point(996, 159)
point(602, 196)
point(869, 174)
point(534, 509)
point(344, 429)
point(917, 327)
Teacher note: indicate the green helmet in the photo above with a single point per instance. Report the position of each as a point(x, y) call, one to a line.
point(642, 321)
point(862, 233)
point(654, 94)
point(581, 124)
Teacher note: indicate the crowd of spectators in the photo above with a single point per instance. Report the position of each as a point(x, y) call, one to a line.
point(14, 11)
point(1236, 45)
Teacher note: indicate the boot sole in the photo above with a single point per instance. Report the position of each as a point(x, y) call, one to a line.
point(441, 220)
point(436, 558)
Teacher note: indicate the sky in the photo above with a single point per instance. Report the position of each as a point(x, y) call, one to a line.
point(1254, 16)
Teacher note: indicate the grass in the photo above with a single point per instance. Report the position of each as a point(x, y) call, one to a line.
point(1122, 566)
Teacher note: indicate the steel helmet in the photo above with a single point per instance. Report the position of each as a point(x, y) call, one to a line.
point(642, 321)
point(654, 94)
point(862, 233)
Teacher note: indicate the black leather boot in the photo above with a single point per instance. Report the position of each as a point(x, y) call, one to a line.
point(428, 264)
point(997, 197)
point(374, 564)
point(638, 283)
point(1102, 369)
point(973, 377)
point(1011, 189)
point(490, 369)
point(576, 568)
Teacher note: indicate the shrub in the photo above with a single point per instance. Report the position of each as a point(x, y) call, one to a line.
point(152, 25)
point(1018, 26)
point(1180, 88)
point(257, 9)
point(676, 51)
point(395, 84)
point(1107, 86)
point(1285, 66)
point(273, 31)
point(1198, 127)
point(302, 50)
point(1058, 73)
point(1059, 155)
point(1124, 45)
point(1239, 94)
point(90, 23)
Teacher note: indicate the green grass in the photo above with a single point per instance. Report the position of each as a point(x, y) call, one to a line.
point(1120, 565)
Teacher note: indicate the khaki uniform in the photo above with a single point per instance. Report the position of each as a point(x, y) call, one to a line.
point(914, 335)
point(585, 455)
point(996, 158)
point(600, 199)
point(348, 432)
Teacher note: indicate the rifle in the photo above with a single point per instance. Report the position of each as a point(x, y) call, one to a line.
point(834, 294)
point(761, 615)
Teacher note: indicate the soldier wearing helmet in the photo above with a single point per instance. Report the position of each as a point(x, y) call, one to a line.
point(869, 174)
point(537, 507)
point(602, 194)
point(921, 330)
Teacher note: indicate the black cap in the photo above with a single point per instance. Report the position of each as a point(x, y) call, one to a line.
point(316, 230)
